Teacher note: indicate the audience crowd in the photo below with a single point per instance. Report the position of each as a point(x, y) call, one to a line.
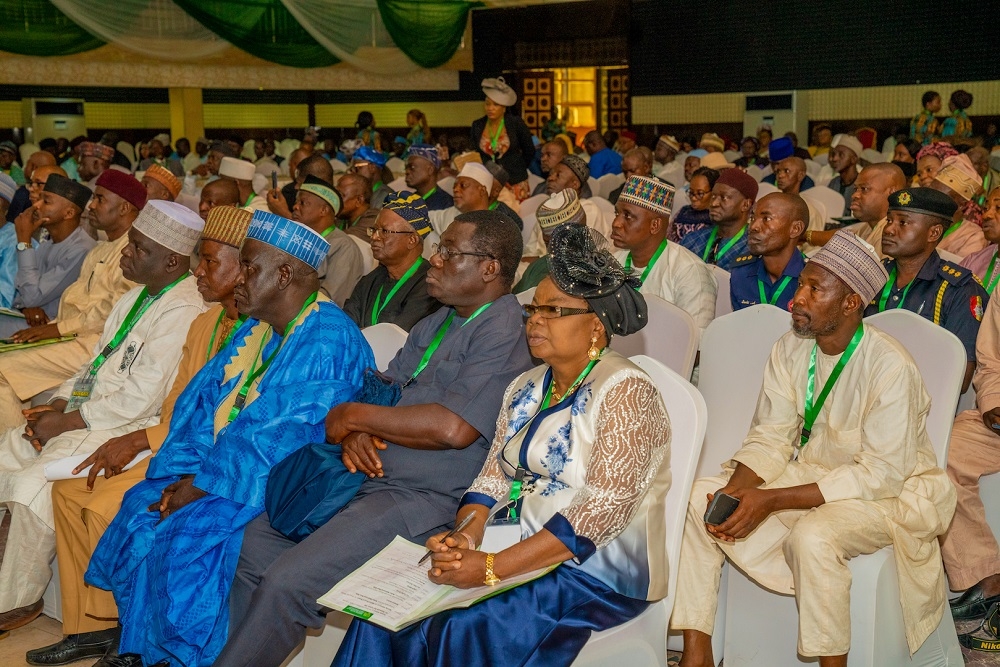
point(184, 336)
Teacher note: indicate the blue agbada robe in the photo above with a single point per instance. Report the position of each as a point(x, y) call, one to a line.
point(171, 578)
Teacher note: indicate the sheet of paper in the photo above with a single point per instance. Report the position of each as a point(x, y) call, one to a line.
point(63, 468)
point(10, 347)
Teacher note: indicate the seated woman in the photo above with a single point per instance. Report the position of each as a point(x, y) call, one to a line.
point(695, 216)
point(583, 447)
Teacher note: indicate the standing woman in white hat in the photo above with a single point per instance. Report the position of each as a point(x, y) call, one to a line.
point(503, 137)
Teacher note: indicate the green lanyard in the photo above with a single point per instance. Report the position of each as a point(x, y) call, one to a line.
point(495, 141)
point(429, 193)
point(329, 230)
point(494, 205)
point(721, 251)
point(990, 277)
point(377, 186)
point(811, 409)
point(888, 289)
point(576, 383)
point(211, 343)
point(652, 261)
point(249, 199)
point(241, 397)
point(777, 292)
point(380, 305)
point(954, 226)
point(141, 305)
point(439, 336)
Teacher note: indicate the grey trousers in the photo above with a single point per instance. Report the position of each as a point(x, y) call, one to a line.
point(273, 598)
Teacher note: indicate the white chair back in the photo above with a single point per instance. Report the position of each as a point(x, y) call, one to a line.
point(530, 223)
point(447, 184)
point(606, 208)
point(642, 641)
point(608, 183)
point(831, 200)
point(813, 168)
point(396, 166)
point(398, 184)
point(756, 172)
point(723, 304)
point(26, 151)
point(531, 204)
point(734, 351)
point(533, 181)
point(670, 337)
point(525, 297)
point(681, 200)
point(764, 189)
point(941, 358)
point(386, 339)
point(822, 159)
point(595, 187)
point(126, 149)
point(286, 147)
point(366, 253)
point(338, 166)
point(732, 156)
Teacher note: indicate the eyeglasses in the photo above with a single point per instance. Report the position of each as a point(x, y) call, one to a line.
point(378, 231)
point(35, 184)
point(447, 253)
point(552, 312)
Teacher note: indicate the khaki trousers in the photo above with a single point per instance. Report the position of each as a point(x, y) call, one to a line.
point(25, 571)
point(969, 548)
point(27, 373)
point(804, 552)
point(81, 517)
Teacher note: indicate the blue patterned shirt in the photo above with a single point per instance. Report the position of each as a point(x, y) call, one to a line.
point(697, 242)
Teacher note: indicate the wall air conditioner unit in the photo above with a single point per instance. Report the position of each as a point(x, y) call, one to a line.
point(52, 117)
point(781, 111)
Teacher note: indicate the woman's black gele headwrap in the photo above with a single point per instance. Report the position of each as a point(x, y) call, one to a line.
point(581, 265)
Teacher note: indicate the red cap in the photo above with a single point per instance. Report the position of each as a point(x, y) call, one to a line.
point(629, 134)
point(741, 181)
point(124, 185)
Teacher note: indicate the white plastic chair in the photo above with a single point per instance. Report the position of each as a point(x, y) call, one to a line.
point(26, 151)
point(533, 181)
point(759, 621)
point(764, 189)
point(594, 186)
point(339, 167)
point(756, 172)
point(670, 337)
point(126, 149)
point(366, 254)
point(531, 204)
point(642, 641)
point(607, 183)
point(52, 599)
point(525, 297)
point(681, 200)
point(832, 201)
point(530, 223)
point(398, 184)
point(723, 304)
point(823, 159)
point(813, 168)
point(285, 147)
point(386, 339)
point(607, 208)
point(447, 184)
point(396, 166)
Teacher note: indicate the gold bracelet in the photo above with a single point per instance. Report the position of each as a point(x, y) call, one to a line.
point(809, 237)
point(491, 579)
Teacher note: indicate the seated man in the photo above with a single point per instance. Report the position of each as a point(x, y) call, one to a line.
point(502, 198)
point(780, 150)
point(161, 184)
point(844, 153)
point(603, 160)
point(95, 159)
point(396, 290)
point(83, 307)
point(551, 154)
point(120, 390)
point(217, 193)
point(562, 208)
point(961, 182)
point(84, 507)
point(356, 214)
point(316, 207)
point(919, 280)
point(733, 196)
point(473, 191)
point(24, 196)
point(229, 427)
point(46, 268)
point(300, 164)
point(419, 456)
point(668, 270)
point(636, 162)
point(422, 164)
point(666, 166)
point(857, 475)
point(371, 164)
point(242, 172)
point(770, 273)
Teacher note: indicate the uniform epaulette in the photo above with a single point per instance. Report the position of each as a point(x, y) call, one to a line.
point(956, 275)
point(745, 259)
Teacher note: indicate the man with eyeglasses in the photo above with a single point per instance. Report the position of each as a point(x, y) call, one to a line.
point(316, 207)
point(420, 455)
point(732, 198)
point(33, 183)
point(396, 291)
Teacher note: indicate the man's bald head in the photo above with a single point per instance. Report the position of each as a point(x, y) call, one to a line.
point(778, 222)
point(222, 192)
point(870, 200)
point(314, 165)
point(38, 159)
point(789, 174)
point(295, 158)
point(39, 178)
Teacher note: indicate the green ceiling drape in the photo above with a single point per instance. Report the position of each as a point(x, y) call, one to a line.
point(428, 31)
point(263, 28)
point(37, 28)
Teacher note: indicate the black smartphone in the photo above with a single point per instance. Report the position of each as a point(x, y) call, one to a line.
point(274, 180)
point(721, 507)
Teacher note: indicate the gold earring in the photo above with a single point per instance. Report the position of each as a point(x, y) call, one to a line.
point(593, 352)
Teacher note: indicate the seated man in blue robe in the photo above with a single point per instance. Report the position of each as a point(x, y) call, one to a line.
point(170, 554)
point(419, 455)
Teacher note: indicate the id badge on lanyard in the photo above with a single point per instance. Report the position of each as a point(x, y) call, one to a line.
point(512, 517)
point(82, 390)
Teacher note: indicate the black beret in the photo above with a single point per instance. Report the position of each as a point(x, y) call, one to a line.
point(68, 189)
point(923, 200)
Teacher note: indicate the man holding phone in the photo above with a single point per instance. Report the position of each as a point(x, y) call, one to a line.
point(837, 463)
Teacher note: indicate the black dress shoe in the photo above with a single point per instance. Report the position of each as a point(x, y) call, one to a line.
point(120, 660)
point(972, 604)
point(74, 647)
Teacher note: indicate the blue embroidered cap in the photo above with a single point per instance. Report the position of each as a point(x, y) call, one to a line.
point(289, 236)
point(650, 193)
point(368, 154)
point(427, 152)
point(412, 208)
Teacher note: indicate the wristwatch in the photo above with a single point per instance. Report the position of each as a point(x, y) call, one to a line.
point(491, 579)
point(22, 246)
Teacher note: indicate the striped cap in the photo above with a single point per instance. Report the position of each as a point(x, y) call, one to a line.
point(91, 149)
point(172, 225)
point(411, 207)
point(289, 236)
point(649, 193)
point(853, 261)
point(227, 224)
point(323, 190)
point(163, 176)
point(560, 209)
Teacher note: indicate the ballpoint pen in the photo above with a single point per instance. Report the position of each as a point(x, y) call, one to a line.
point(461, 524)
